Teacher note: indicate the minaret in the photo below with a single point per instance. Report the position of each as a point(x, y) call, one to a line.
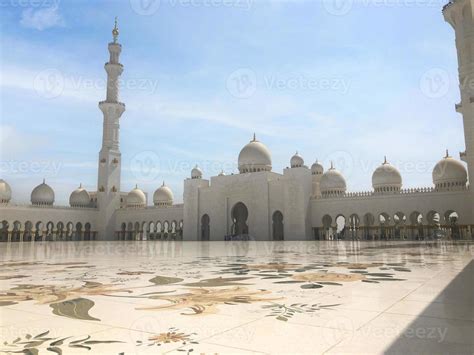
point(108, 189)
point(460, 15)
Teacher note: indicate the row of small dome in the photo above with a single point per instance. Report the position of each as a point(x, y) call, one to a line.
point(256, 157)
point(447, 173)
point(163, 196)
point(43, 195)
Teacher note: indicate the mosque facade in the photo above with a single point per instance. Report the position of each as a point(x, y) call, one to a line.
point(301, 203)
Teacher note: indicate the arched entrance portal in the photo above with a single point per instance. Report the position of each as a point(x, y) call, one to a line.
point(278, 233)
point(239, 215)
point(205, 228)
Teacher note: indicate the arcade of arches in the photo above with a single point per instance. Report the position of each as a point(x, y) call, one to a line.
point(159, 230)
point(49, 231)
point(40, 231)
point(383, 226)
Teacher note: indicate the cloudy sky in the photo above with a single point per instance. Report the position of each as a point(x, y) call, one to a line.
point(345, 80)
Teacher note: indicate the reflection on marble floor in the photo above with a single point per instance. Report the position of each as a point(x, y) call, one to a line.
point(236, 297)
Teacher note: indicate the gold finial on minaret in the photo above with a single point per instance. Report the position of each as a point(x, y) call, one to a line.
point(115, 31)
point(447, 154)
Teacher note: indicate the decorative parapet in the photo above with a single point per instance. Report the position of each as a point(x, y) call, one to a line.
point(173, 207)
point(52, 207)
point(420, 190)
point(359, 194)
point(411, 191)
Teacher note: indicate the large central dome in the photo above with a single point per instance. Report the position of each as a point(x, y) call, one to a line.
point(255, 157)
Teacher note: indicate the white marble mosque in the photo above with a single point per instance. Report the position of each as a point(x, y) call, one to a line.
point(301, 203)
point(321, 270)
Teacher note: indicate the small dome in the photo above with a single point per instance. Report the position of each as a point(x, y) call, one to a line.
point(163, 196)
point(386, 178)
point(42, 195)
point(296, 161)
point(333, 183)
point(317, 168)
point(136, 198)
point(222, 173)
point(79, 197)
point(5, 192)
point(255, 157)
point(449, 173)
point(196, 173)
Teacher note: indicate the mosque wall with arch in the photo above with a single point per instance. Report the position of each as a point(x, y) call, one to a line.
point(408, 216)
point(31, 223)
point(212, 214)
point(150, 223)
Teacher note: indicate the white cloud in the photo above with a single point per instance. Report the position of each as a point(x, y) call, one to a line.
point(41, 19)
point(51, 83)
point(14, 143)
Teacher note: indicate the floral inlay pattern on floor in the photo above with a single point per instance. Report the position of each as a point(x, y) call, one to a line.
point(177, 301)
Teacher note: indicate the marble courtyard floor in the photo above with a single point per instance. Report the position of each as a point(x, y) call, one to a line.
point(236, 297)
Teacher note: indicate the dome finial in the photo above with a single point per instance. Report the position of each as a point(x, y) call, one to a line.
point(80, 185)
point(385, 160)
point(332, 164)
point(447, 154)
point(163, 183)
point(254, 137)
point(44, 181)
point(115, 31)
point(136, 186)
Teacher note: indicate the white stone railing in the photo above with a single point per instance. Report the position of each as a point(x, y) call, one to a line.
point(417, 190)
point(29, 205)
point(359, 194)
point(410, 191)
point(177, 206)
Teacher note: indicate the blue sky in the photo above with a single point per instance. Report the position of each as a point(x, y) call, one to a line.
point(350, 81)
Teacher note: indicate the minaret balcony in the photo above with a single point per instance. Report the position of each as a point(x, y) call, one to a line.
point(115, 44)
point(458, 108)
point(112, 108)
point(113, 68)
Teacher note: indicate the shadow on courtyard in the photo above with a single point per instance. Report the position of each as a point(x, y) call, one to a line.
point(447, 325)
